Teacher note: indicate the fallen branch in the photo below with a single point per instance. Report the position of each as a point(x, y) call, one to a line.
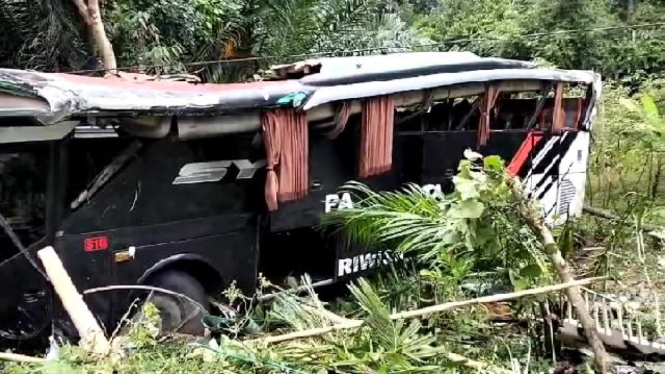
point(493, 298)
point(295, 290)
point(532, 213)
point(601, 213)
point(8, 356)
point(92, 335)
point(350, 324)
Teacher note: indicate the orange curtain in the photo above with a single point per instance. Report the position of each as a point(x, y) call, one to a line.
point(376, 136)
point(285, 137)
point(558, 115)
point(486, 104)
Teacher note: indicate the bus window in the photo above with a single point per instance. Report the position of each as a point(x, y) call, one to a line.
point(529, 110)
point(458, 114)
point(23, 176)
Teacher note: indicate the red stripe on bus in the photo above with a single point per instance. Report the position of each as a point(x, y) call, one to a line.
point(523, 153)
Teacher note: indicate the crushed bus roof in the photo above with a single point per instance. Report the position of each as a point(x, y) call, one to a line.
point(53, 97)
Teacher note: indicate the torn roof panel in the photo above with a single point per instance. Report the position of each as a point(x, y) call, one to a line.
point(360, 90)
point(345, 78)
point(378, 71)
point(71, 95)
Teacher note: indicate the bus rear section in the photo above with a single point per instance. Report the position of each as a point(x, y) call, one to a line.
point(194, 188)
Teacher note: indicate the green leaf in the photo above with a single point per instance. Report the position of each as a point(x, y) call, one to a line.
point(471, 155)
point(520, 284)
point(493, 163)
point(468, 209)
point(466, 188)
point(531, 271)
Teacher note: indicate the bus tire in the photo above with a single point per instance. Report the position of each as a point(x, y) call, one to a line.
point(179, 314)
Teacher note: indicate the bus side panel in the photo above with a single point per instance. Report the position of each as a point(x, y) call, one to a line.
point(573, 176)
point(231, 251)
point(213, 216)
point(172, 181)
point(556, 175)
point(332, 164)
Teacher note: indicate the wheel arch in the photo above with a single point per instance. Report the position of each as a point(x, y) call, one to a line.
point(195, 265)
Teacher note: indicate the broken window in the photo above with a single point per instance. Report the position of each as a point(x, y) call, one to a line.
point(557, 107)
point(500, 109)
point(23, 175)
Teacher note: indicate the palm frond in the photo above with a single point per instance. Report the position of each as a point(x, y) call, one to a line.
point(392, 336)
point(473, 230)
point(407, 220)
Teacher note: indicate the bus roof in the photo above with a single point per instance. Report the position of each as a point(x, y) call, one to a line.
point(53, 97)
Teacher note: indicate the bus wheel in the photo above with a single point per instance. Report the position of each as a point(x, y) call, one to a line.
point(179, 314)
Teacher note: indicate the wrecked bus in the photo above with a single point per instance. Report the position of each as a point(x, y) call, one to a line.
point(190, 187)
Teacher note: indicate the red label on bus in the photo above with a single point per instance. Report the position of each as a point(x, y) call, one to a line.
point(98, 243)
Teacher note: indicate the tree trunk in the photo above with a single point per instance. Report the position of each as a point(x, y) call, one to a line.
point(92, 17)
point(575, 297)
point(531, 212)
point(602, 213)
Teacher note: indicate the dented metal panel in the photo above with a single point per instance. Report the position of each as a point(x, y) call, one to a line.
point(325, 95)
point(55, 97)
point(70, 95)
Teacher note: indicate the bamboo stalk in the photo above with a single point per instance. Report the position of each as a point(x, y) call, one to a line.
point(532, 213)
point(493, 298)
point(92, 335)
point(350, 324)
point(8, 356)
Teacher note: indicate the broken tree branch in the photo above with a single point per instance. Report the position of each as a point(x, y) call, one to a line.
point(8, 356)
point(350, 324)
point(493, 298)
point(532, 213)
point(601, 213)
point(92, 335)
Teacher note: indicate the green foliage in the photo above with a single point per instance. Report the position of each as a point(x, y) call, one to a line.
point(173, 33)
point(522, 29)
point(628, 147)
point(168, 33)
point(473, 234)
point(41, 35)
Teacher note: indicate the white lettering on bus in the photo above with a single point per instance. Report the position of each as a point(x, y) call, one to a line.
point(365, 261)
point(337, 202)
